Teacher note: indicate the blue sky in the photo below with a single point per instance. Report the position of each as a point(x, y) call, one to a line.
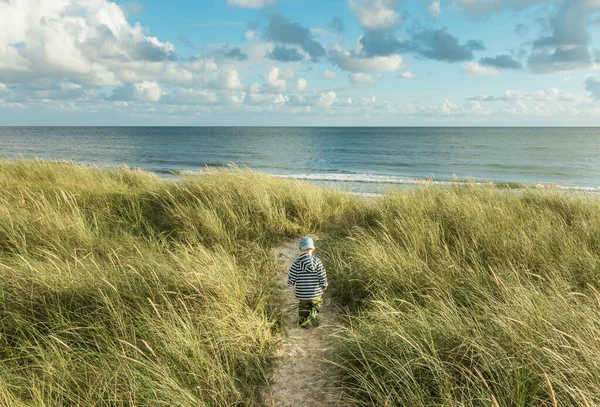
point(300, 62)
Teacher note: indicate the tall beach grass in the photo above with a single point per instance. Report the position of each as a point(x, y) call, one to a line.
point(119, 289)
point(471, 297)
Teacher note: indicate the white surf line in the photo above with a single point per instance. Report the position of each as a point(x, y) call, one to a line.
point(398, 180)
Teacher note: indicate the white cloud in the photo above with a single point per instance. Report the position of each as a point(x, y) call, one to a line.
point(326, 99)
point(475, 69)
point(375, 14)
point(229, 79)
point(329, 75)
point(201, 65)
point(89, 42)
point(360, 78)
point(354, 63)
point(407, 75)
point(301, 85)
point(65, 86)
point(257, 50)
point(266, 99)
point(193, 96)
point(144, 92)
point(448, 108)
point(552, 95)
point(249, 34)
point(256, 88)
point(274, 80)
point(235, 98)
point(250, 3)
point(434, 8)
point(8, 105)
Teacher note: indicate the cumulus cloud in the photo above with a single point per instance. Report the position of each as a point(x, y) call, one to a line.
point(88, 42)
point(568, 47)
point(375, 14)
point(301, 85)
point(275, 80)
point(434, 8)
point(266, 99)
point(228, 79)
point(438, 45)
point(359, 79)
point(192, 96)
point(329, 75)
point(475, 69)
point(546, 95)
point(250, 3)
point(407, 75)
point(287, 32)
point(448, 108)
point(144, 91)
point(356, 63)
point(44, 91)
point(196, 64)
point(500, 62)
point(285, 54)
point(326, 99)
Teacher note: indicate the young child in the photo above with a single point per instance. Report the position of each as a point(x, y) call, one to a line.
point(308, 275)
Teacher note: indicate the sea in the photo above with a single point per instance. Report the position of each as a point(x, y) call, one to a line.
point(365, 160)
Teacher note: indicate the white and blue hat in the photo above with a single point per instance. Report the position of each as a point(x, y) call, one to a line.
point(306, 243)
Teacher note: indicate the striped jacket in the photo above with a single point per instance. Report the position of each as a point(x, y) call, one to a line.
point(308, 275)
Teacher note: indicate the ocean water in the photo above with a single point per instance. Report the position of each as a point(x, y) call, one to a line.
point(359, 159)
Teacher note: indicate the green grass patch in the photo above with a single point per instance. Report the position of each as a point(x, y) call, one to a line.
point(118, 288)
point(471, 297)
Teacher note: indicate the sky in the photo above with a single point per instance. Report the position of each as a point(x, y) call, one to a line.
point(300, 62)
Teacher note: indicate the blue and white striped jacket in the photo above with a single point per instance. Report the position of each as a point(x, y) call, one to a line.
point(308, 275)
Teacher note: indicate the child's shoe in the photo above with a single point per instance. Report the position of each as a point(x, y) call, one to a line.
point(314, 316)
point(303, 322)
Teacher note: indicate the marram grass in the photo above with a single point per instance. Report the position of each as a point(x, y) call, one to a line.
point(121, 289)
point(471, 297)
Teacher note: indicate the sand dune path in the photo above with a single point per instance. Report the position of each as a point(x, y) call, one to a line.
point(303, 375)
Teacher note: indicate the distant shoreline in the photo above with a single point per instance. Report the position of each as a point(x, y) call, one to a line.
point(367, 159)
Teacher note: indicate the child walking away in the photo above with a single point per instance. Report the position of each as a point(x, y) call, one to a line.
point(308, 275)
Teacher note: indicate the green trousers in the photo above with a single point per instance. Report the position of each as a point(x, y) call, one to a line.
point(305, 306)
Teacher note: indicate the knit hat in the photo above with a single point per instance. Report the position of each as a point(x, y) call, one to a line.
point(306, 243)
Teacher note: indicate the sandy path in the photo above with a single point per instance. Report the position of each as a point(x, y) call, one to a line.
point(302, 376)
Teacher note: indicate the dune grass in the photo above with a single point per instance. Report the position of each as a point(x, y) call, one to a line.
point(471, 297)
point(121, 289)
